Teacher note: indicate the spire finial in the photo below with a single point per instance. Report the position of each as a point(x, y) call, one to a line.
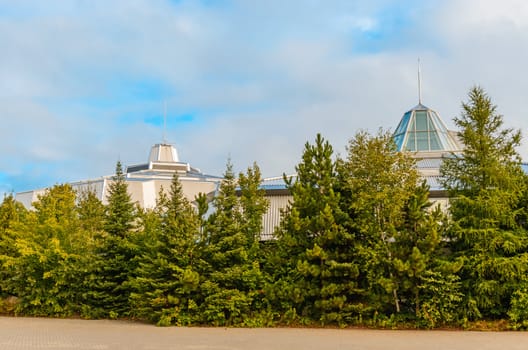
point(419, 83)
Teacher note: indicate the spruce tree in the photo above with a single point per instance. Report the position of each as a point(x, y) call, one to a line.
point(315, 268)
point(232, 276)
point(166, 281)
point(486, 187)
point(109, 292)
point(120, 210)
point(253, 202)
point(91, 213)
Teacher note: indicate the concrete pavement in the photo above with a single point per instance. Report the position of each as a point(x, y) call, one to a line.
point(40, 333)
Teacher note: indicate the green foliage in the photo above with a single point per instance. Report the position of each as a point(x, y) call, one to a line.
point(380, 182)
point(314, 265)
point(166, 282)
point(400, 249)
point(487, 186)
point(440, 298)
point(112, 264)
point(12, 214)
point(518, 311)
point(48, 257)
point(120, 211)
point(359, 243)
point(232, 279)
point(253, 202)
point(91, 212)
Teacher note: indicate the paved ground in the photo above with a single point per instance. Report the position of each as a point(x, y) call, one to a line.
point(35, 333)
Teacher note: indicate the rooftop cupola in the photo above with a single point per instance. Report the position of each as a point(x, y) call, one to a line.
point(422, 130)
point(163, 152)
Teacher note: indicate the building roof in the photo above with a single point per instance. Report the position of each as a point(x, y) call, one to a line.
point(422, 130)
point(163, 162)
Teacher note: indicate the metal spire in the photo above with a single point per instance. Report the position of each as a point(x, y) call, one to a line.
point(164, 122)
point(419, 83)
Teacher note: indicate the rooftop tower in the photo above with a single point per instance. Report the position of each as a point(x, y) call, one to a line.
point(163, 152)
point(421, 130)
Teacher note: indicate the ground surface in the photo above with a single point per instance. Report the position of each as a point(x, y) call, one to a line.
point(35, 333)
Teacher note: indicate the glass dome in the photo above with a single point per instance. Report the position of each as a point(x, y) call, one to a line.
point(422, 130)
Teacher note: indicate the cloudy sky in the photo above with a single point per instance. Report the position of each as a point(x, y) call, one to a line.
point(83, 83)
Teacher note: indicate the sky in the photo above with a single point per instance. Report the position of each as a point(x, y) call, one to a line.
point(83, 83)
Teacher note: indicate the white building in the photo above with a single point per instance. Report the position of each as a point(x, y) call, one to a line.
point(420, 131)
point(145, 180)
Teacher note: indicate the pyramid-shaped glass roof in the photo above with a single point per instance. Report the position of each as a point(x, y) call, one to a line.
point(422, 130)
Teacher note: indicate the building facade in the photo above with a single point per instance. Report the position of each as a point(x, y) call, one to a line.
point(421, 132)
point(145, 180)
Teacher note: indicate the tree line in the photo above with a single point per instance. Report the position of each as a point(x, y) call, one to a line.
point(359, 244)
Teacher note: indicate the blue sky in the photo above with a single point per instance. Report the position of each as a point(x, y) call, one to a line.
point(84, 82)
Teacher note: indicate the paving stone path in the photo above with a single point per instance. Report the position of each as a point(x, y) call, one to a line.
point(40, 333)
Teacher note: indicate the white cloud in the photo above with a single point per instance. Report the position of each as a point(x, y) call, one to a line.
point(262, 78)
point(364, 24)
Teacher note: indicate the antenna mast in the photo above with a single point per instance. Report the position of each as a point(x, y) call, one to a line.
point(419, 83)
point(164, 122)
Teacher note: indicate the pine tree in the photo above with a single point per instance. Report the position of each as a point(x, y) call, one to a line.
point(486, 185)
point(315, 268)
point(426, 278)
point(166, 282)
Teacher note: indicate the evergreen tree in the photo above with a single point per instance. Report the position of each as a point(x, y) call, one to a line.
point(202, 206)
point(315, 268)
point(91, 214)
point(426, 279)
point(108, 291)
point(166, 285)
point(486, 186)
point(120, 210)
point(232, 276)
point(253, 203)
